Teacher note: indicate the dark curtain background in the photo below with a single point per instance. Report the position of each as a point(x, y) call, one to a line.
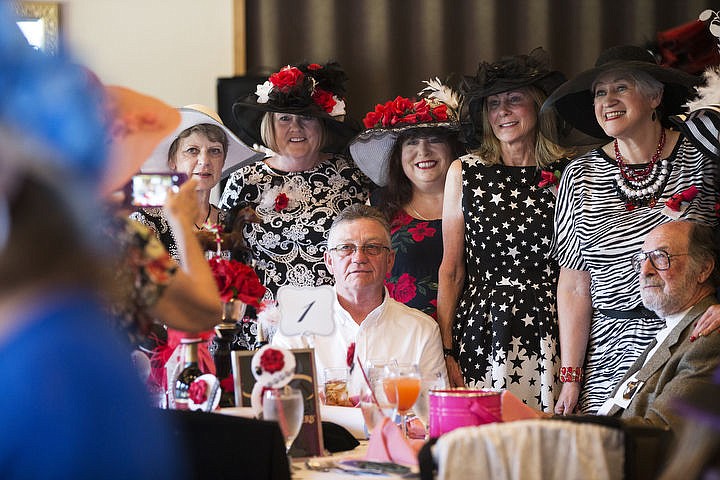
point(388, 47)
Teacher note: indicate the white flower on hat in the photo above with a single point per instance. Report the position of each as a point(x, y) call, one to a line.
point(338, 108)
point(263, 92)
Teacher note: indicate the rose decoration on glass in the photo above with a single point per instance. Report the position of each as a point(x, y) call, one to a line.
point(198, 391)
point(236, 281)
point(204, 393)
point(675, 202)
point(271, 361)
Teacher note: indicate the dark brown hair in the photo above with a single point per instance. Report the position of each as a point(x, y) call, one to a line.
point(399, 188)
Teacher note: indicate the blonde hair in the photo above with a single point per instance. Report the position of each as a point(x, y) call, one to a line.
point(267, 131)
point(546, 151)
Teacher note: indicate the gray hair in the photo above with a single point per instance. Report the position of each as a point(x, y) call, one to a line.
point(359, 211)
point(646, 84)
point(704, 246)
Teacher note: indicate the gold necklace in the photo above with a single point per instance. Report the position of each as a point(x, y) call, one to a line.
point(206, 219)
point(417, 214)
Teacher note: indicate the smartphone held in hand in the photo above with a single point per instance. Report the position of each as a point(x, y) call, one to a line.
point(150, 189)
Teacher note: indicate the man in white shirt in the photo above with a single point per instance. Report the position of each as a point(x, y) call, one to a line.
point(359, 256)
point(678, 274)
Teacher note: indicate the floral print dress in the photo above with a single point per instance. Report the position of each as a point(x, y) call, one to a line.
point(296, 209)
point(418, 252)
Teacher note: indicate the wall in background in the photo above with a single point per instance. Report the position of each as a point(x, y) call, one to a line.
point(389, 46)
point(172, 49)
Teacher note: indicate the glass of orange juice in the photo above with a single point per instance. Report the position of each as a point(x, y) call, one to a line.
point(404, 380)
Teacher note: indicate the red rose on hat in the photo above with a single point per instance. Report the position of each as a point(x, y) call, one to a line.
point(324, 99)
point(287, 78)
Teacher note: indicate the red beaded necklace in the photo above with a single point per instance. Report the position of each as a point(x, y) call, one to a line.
point(633, 175)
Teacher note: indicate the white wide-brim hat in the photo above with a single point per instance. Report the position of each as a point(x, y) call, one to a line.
point(238, 154)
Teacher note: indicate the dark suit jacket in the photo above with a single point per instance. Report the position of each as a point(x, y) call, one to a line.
point(676, 369)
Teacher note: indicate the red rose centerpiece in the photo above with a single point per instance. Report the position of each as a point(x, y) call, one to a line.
point(237, 281)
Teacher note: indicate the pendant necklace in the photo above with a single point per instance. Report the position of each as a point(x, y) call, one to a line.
point(642, 187)
point(206, 219)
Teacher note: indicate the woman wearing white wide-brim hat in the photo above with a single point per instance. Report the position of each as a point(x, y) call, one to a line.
point(204, 149)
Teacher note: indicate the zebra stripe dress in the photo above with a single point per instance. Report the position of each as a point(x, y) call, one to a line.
point(594, 232)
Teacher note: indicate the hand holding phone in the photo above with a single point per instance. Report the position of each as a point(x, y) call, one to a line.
point(150, 189)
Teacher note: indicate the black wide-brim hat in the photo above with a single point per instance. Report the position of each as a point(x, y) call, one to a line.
point(508, 73)
point(339, 130)
point(573, 100)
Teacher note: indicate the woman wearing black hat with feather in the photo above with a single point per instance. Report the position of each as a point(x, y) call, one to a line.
point(496, 298)
point(298, 114)
point(609, 198)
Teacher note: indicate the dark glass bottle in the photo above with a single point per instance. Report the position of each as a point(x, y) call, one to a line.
point(188, 374)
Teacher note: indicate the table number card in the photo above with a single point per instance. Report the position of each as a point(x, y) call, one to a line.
point(306, 310)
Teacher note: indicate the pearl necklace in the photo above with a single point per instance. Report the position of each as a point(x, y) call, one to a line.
point(642, 187)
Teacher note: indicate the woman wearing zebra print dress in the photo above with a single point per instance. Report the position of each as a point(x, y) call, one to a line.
point(608, 200)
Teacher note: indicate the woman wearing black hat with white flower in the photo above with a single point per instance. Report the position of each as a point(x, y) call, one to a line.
point(609, 198)
point(298, 114)
point(496, 301)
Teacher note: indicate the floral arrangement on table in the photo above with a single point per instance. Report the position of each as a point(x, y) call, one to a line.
point(236, 281)
point(298, 86)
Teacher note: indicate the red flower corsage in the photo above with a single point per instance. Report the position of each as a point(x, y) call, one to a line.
point(272, 360)
point(350, 357)
point(675, 202)
point(548, 179)
point(198, 391)
point(281, 202)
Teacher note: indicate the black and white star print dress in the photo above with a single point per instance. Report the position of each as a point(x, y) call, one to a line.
point(297, 209)
point(505, 327)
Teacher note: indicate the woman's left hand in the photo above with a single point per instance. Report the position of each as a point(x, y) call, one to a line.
point(708, 323)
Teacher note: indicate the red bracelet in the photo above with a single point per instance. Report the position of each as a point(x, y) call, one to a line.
point(571, 374)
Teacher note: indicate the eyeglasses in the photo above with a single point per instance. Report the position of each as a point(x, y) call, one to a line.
point(347, 249)
point(660, 259)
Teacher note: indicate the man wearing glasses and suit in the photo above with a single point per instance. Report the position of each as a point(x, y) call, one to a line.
point(679, 272)
point(359, 257)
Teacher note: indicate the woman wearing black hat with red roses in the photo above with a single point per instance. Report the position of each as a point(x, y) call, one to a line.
point(406, 150)
point(496, 300)
point(298, 114)
point(609, 198)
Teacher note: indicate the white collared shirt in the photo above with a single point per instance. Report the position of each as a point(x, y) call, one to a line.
point(671, 321)
point(392, 330)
